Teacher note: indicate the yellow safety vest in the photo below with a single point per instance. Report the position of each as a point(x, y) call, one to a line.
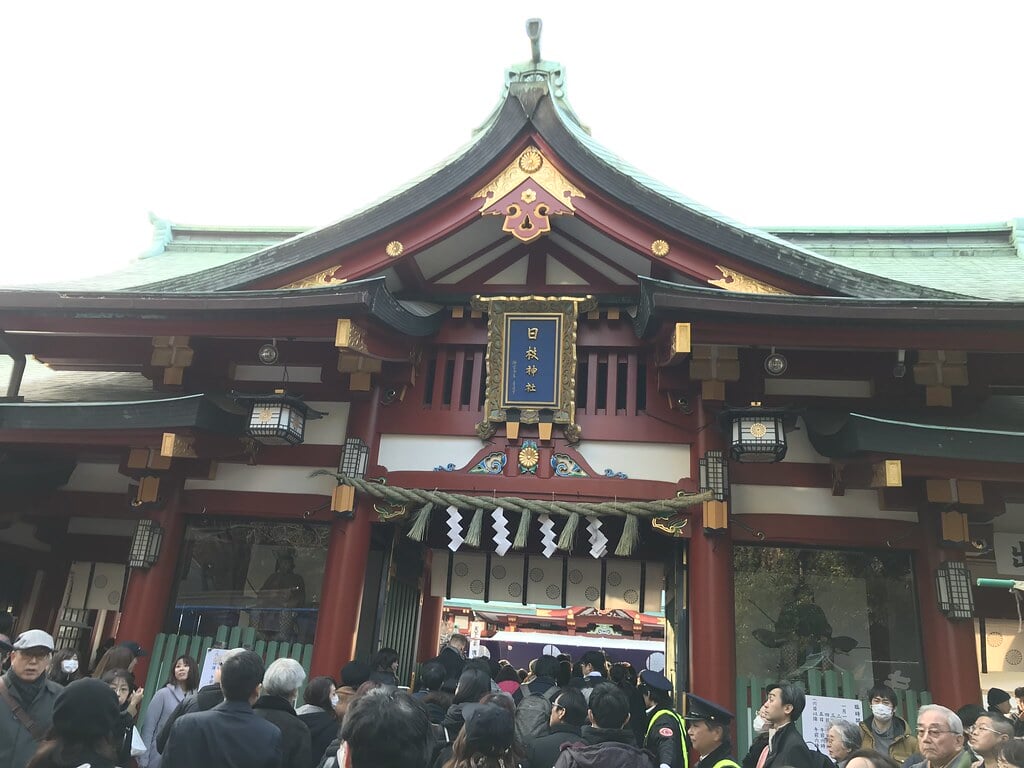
point(682, 731)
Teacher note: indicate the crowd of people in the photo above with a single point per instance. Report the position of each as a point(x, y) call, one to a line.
point(464, 713)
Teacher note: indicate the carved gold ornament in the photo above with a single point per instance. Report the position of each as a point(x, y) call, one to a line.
point(529, 457)
point(660, 248)
point(394, 249)
point(527, 193)
point(319, 279)
point(732, 280)
point(758, 430)
point(531, 160)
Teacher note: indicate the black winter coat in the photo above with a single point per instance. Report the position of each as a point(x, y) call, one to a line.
point(666, 739)
point(543, 751)
point(789, 749)
point(323, 729)
point(296, 748)
point(207, 697)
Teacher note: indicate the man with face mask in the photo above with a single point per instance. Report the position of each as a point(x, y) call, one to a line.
point(884, 731)
point(757, 746)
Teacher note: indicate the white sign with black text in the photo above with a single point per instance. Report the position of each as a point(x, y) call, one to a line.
point(820, 710)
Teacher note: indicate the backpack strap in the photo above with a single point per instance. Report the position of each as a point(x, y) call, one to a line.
point(20, 714)
point(550, 693)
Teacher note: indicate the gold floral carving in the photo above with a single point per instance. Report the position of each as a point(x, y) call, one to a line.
point(529, 165)
point(660, 248)
point(394, 249)
point(732, 280)
point(319, 279)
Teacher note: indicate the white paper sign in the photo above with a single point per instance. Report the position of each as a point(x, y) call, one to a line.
point(211, 664)
point(821, 709)
point(1009, 551)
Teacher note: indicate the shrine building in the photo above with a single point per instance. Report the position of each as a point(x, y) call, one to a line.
point(533, 377)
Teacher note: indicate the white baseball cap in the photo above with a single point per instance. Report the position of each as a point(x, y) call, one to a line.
point(33, 638)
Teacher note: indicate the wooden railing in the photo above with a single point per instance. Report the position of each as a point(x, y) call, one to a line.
point(168, 647)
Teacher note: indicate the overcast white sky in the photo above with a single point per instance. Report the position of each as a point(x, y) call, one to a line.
point(296, 113)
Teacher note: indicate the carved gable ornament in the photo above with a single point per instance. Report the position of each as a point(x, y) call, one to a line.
point(528, 193)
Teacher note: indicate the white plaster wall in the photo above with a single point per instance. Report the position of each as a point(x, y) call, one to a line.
point(783, 500)
point(331, 429)
point(1011, 521)
point(640, 461)
point(421, 453)
point(266, 479)
point(799, 449)
point(99, 478)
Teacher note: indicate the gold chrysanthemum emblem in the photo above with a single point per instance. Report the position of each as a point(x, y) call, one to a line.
point(529, 457)
point(531, 160)
point(394, 249)
point(659, 248)
point(757, 429)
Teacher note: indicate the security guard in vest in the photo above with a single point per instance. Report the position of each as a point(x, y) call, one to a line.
point(666, 730)
point(708, 729)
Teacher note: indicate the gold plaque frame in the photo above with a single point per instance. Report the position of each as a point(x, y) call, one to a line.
point(496, 307)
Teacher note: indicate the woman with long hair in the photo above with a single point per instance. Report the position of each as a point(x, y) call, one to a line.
point(182, 680)
point(486, 741)
point(384, 667)
point(64, 667)
point(85, 716)
point(118, 657)
point(318, 713)
point(122, 683)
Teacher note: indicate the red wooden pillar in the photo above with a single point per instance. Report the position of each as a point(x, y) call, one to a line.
point(950, 656)
point(711, 595)
point(430, 618)
point(341, 595)
point(150, 590)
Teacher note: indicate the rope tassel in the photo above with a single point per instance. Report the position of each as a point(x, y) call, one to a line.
point(421, 522)
point(476, 528)
point(569, 532)
point(523, 531)
point(630, 536)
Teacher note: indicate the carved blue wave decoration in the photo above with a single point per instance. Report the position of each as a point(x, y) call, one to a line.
point(491, 464)
point(565, 466)
point(617, 475)
point(445, 468)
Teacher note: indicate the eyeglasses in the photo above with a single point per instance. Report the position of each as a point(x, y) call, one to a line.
point(974, 728)
point(931, 733)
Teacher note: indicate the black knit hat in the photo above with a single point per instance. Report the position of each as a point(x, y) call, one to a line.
point(490, 728)
point(997, 696)
point(85, 709)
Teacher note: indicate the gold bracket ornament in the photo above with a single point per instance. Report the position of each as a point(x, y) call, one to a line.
point(319, 279)
point(731, 280)
point(528, 193)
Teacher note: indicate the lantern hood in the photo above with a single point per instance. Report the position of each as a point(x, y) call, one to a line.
point(295, 401)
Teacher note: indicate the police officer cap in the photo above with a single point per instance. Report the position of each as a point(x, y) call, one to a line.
point(656, 680)
point(702, 709)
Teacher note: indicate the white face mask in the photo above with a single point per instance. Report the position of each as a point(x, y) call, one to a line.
point(334, 699)
point(760, 724)
point(881, 711)
point(70, 666)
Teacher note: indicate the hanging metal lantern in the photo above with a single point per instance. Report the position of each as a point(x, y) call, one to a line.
point(146, 541)
point(714, 474)
point(756, 434)
point(953, 590)
point(278, 418)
